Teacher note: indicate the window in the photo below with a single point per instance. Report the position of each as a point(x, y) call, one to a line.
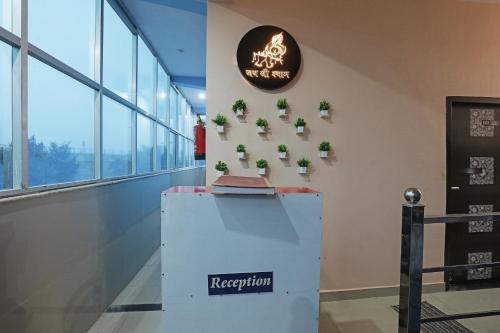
point(116, 139)
point(146, 70)
point(162, 95)
point(161, 148)
point(144, 144)
point(60, 127)
point(173, 108)
point(6, 14)
point(117, 54)
point(172, 144)
point(66, 30)
point(6, 170)
point(180, 152)
point(181, 110)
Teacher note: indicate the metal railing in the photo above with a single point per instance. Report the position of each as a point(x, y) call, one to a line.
point(412, 246)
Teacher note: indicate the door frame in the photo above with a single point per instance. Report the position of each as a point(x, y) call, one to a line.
point(450, 101)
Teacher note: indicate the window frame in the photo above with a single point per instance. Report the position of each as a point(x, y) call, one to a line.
point(18, 40)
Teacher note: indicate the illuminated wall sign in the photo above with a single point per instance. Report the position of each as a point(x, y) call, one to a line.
point(268, 57)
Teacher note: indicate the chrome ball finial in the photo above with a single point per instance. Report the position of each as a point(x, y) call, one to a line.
point(412, 196)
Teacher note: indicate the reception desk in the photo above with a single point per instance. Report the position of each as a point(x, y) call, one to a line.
point(240, 263)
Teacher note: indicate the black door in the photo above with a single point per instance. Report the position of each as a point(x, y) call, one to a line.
point(473, 175)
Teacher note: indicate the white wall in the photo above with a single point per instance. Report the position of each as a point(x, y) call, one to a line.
point(386, 66)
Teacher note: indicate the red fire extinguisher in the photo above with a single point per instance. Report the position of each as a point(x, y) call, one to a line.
point(199, 140)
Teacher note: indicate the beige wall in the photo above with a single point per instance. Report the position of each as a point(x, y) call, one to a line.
point(386, 66)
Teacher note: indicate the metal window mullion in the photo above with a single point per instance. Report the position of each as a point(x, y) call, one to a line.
point(134, 102)
point(155, 113)
point(98, 73)
point(20, 103)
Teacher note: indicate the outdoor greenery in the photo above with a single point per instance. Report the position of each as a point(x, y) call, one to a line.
point(282, 104)
point(220, 120)
point(282, 148)
point(303, 163)
point(262, 122)
point(241, 148)
point(324, 105)
point(261, 164)
point(300, 122)
point(221, 166)
point(324, 146)
point(239, 105)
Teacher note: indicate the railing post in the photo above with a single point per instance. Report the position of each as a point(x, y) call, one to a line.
point(412, 252)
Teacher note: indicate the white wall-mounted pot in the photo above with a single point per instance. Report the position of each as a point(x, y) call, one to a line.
point(240, 113)
point(242, 155)
point(324, 113)
point(220, 173)
point(300, 129)
point(282, 155)
point(302, 170)
point(262, 171)
point(261, 129)
point(220, 129)
point(323, 153)
point(282, 113)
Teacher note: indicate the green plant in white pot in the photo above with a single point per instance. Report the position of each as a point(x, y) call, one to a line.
point(303, 164)
point(262, 125)
point(221, 168)
point(239, 108)
point(220, 121)
point(282, 152)
point(300, 125)
point(261, 166)
point(241, 150)
point(324, 148)
point(324, 109)
point(282, 106)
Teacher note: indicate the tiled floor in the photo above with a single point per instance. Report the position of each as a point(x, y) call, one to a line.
point(369, 315)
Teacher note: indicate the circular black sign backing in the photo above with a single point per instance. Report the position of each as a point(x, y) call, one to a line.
point(268, 57)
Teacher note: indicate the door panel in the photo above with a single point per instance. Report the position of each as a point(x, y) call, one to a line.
point(473, 174)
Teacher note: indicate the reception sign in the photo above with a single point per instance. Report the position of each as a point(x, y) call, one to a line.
point(240, 283)
point(268, 57)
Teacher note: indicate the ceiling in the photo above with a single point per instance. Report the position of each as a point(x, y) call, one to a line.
point(177, 31)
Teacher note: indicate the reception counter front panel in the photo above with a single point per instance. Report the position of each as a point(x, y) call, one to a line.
point(240, 263)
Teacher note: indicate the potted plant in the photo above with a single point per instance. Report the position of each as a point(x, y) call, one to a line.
point(241, 150)
point(282, 105)
point(239, 108)
point(261, 166)
point(303, 164)
point(324, 108)
point(324, 147)
point(221, 168)
point(300, 124)
point(261, 125)
point(199, 121)
point(282, 152)
point(220, 121)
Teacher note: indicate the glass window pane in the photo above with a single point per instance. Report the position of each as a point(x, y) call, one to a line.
point(162, 95)
point(66, 30)
point(180, 113)
point(60, 127)
point(5, 116)
point(145, 78)
point(6, 14)
point(180, 151)
point(173, 108)
point(161, 148)
point(117, 54)
point(144, 144)
point(171, 150)
point(116, 139)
